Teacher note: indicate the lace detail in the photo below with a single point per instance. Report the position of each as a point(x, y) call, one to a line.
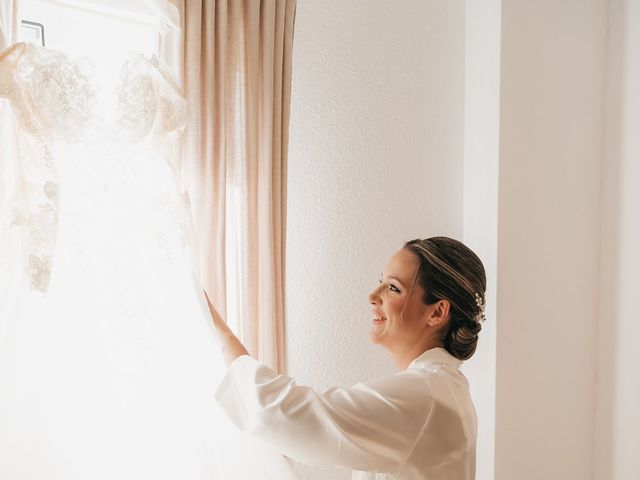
point(37, 210)
point(53, 99)
point(148, 94)
point(172, 105)
point(52, 95)
point(40, 272)
point(137, 103)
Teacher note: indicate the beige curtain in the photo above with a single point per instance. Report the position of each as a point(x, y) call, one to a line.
point(237, 77)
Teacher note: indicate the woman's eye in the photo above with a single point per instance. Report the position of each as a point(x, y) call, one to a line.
point(393, 288)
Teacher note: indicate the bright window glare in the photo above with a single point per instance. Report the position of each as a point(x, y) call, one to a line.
point(92, 29)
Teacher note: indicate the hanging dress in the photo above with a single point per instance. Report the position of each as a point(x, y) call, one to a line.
point(108, 360)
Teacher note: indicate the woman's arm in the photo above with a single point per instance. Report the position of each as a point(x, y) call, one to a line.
point(370, 426)
point(232, 347)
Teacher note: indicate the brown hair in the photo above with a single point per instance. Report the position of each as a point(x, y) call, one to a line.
point(449, 270)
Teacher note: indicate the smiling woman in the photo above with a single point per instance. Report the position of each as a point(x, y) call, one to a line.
point(417, 423)
point(437, 279)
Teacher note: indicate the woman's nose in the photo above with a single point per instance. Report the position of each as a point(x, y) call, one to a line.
point(373, 296)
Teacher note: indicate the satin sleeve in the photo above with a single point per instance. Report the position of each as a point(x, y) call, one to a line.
point(370, 426)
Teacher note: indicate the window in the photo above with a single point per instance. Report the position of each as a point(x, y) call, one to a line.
point(108, 29)
point(33, 32)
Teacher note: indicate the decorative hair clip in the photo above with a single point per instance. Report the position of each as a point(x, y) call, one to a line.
point(480, 317)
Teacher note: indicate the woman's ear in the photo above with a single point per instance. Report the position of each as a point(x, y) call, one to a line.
point(439, 314)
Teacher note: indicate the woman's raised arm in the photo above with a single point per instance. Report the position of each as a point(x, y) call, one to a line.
point(231, 346)
point(370, 426)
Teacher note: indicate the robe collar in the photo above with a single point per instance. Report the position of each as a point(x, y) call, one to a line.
point(434, 356)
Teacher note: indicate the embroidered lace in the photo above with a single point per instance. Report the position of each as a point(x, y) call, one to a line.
point(54, 101)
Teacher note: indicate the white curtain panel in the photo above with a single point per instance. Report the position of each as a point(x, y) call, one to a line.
point(9, 236)
point(7, 22)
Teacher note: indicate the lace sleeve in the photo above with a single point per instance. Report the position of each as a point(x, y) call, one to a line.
point(150, 101)
point(58, 91)
point(36, 194)
point(137, 104)
point(51, 95)
point(172, 106)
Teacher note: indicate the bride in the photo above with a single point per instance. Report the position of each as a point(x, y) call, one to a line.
point(419, 423)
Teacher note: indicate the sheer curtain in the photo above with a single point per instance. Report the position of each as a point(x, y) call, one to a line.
point(9, 238)
point(237, 76)
point(8, 16)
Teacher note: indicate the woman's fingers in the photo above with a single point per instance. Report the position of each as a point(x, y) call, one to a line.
point(217, 318)
point(232, 348)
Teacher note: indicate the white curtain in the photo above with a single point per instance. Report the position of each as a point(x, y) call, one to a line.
point(8, 22)
point(9, 237)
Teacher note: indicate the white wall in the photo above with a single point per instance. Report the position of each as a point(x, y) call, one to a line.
point(551, 144)
point(376, 157)
point(481, 154)
point(617, 438)
point(526, 114)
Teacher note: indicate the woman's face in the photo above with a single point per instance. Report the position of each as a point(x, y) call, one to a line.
point(393, 297)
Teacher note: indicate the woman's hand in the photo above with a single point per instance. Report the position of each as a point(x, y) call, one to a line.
point(232, 347)
point(218, 321)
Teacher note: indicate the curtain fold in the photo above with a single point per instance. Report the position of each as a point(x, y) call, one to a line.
point(237, 76)
point(10, 176)
point(8, 22)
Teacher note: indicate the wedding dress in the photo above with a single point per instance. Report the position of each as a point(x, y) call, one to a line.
point(108, 361)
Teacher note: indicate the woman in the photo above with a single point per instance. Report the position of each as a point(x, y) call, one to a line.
point(419, 423)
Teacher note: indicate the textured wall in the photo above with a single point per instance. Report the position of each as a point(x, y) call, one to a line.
point(375, 159)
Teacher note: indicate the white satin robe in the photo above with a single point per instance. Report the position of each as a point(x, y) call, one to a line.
point(419, 423)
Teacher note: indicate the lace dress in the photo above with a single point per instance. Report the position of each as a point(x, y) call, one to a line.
point(108, 361)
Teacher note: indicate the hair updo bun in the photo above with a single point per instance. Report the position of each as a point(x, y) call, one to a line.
point(449, 270)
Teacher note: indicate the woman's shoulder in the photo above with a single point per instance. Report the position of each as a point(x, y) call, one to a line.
point(406, 386)
point(424, 384)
